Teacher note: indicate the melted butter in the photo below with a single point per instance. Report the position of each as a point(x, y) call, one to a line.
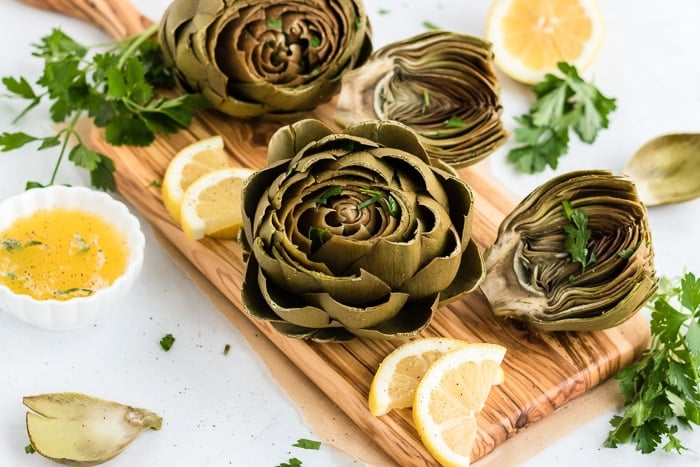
point(61, 254)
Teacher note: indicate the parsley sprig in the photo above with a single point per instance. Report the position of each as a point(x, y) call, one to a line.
point(578, 236)
point(562, 103)
point(662, 389)
point(118, 88)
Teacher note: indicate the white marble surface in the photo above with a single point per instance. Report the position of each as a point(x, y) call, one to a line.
point(228, 410)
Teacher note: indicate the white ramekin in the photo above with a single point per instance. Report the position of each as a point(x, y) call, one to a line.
point(76, 312)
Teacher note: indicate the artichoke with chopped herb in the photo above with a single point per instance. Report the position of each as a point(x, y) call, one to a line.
point(531, 274)
point(354, 233)
point(253, 58)
point(441, 84)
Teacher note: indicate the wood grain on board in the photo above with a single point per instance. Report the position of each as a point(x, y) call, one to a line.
point(543, 371)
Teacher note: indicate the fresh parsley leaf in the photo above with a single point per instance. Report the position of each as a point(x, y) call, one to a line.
point(29, 449)
point(167, 342)
point(662, 389)
point(307, 444)
point(117, 88)
point(293, 462)
point(429, 25)
point(561, 103)
point(578, 236)
point(329, 193)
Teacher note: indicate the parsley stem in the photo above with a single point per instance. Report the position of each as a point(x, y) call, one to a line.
point(68, 131)
point(134, 42)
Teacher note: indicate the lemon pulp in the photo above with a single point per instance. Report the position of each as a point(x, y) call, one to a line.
point(60, 254)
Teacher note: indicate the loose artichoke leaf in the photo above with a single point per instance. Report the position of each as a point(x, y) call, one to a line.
point(78, 429)
point(365, 316)
point(411, 320)
point(666, 169)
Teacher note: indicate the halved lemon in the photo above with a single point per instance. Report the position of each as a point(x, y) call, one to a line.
point(395, 382)
point(531, 36)
point(451, 393)
point(190, 163)
point(212, 204)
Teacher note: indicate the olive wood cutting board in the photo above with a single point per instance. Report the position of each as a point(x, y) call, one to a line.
point(543, 371)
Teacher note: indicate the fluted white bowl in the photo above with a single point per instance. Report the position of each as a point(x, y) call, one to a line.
point(75, 312)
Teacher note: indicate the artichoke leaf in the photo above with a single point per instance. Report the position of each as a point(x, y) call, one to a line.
point(290, 307)
point(74, 428)
point(666, 169)
point(323, 336)
point(353, 317)
point(413, 318)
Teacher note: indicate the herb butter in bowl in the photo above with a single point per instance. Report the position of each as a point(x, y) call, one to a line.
point(67, 255)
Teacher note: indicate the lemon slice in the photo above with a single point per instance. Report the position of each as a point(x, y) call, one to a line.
point(395, 382)
point(531, 36)
point(188, 165)
point(451, 393)
point(212, 204)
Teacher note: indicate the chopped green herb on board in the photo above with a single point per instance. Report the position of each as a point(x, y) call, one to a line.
point(116, 88)
point(561, 103)
point(661, 390)
point(167, 342)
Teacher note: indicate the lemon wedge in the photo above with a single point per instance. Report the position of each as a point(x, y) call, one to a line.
point(452, 392)
point(211, 205)
point(190, 163)
point(395, 382)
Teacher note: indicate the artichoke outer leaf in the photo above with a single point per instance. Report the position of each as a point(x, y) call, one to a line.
point(323, 336)
point(289, 140)
point(360, 317)
point(391, 134)
point(411, 320)
point(290, 307)
point(469, 276)
point(254, 303)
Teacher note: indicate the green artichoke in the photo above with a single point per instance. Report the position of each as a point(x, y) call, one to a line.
point(531, 274)
point(441, 84)
point(354, 234)
point(275, 58)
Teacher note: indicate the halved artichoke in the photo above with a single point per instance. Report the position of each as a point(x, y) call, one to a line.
point(441, 84)
point(275, 58)
point(354, 234)
point(530, 275)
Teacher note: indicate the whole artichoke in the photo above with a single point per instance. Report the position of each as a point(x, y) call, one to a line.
point(251, 58)
point(530, 271)
point(441, 84)
point(354, 234)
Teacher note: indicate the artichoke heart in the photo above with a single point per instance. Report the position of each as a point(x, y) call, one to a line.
point(441, 84)
point(272, 58)
point(77, 429)
point(354, 234)
point(530, 276)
